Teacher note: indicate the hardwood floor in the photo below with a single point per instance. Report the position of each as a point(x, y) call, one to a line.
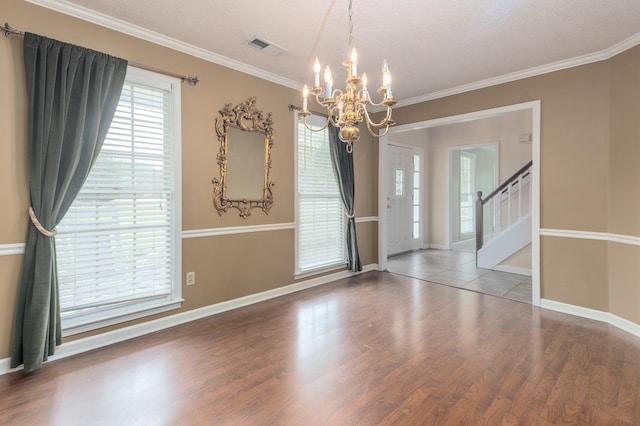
point(377, 348)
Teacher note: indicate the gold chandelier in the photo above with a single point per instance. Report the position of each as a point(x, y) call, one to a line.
point(347, 108)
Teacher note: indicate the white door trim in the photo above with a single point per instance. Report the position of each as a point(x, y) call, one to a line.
point(534, 107)
point(496, 179)
point(417, 243)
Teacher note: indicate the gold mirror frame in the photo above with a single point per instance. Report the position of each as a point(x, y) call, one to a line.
point(247, 118)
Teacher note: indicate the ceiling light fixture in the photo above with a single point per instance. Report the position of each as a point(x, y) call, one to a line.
point(346, 109)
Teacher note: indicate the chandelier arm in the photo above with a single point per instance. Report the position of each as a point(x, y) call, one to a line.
point(316, 129)
point(377, 135)
point(370, 102)
point(335, 95)
point(381, 123)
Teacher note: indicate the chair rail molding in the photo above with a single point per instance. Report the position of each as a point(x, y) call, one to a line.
point(230, 230)
point(11, 249)
point(591, 235)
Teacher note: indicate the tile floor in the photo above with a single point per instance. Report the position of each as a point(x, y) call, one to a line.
point(458, 269)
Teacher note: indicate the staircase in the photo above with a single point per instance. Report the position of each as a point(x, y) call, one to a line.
point(503, 219)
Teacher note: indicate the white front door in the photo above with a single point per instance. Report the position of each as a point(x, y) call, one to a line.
point(399, 199)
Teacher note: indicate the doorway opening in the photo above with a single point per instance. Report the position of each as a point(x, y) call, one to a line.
point(444, 225)
point(472, 168)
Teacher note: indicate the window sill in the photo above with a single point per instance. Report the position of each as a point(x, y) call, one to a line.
point(79, 325)
point(320, 270)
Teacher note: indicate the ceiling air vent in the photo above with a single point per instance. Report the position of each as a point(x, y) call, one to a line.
point(265, 46)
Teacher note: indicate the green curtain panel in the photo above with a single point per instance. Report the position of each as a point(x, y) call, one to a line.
point(72, 95)
point(342, 162)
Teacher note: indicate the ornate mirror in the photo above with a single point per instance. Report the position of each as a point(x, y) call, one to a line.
point(246, 137)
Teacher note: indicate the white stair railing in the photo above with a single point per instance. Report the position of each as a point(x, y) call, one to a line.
point(511, 201)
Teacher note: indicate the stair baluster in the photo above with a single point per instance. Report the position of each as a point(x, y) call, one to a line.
point(497, 204)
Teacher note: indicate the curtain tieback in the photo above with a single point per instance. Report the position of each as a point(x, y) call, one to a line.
point(38, 225)
point(350, 216)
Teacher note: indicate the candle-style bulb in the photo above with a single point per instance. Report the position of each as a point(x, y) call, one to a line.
point(354, 61)
point(327, 74)
point(386, 79)
point(388, 85)
point(385, 67)
point(305, 94)
point(365, 94)
point(316, 71)
point(329, 82)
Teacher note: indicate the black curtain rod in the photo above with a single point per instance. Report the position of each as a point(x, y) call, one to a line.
point(293, 107)
point(192, 80)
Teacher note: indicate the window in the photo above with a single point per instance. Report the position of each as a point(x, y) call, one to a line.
point(467, 190)
point(399, 182)
point(319, 215)
point(118, 247)
point(416, 196)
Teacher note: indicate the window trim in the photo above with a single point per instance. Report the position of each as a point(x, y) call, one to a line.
point(472, 178)
point(87, 322)
point(416, 153)
point(298, 273)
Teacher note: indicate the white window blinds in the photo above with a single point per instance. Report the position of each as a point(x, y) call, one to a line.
point(116, 244)
point(320, 218)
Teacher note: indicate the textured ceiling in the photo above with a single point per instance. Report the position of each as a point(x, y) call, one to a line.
point(430, 45)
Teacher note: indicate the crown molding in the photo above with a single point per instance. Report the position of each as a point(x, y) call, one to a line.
point(80, 12)
point(85, 14)
point(507, 78)
point(624, 45)
point(530, 72)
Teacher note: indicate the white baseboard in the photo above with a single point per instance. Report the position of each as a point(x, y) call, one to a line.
point(606, 317)
point(468, 245)
point(624, 324)
point(94, 342)
point(436, 246)
point(513, 270)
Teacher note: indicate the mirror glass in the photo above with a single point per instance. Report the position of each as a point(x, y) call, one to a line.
point(245, 164)
point(246, 136)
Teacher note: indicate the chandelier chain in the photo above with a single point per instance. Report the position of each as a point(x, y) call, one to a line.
point(350, 25)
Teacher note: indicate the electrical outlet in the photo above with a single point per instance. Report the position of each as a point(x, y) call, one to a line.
point(191, 278)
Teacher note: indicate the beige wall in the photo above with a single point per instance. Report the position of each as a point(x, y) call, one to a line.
point(219, 262)
point(574, 116)
point(520, 259)
point(624, 185)
point(589, 172)
point(590, 179)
